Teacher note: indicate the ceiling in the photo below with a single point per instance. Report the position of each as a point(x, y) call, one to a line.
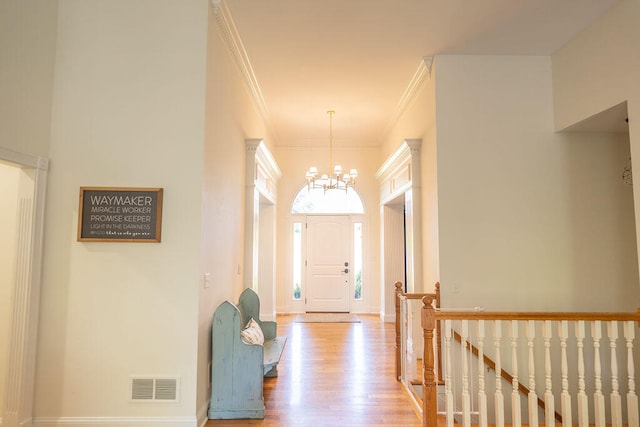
point(358, 57)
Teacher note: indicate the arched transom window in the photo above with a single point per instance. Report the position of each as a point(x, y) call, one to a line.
point(332, 202)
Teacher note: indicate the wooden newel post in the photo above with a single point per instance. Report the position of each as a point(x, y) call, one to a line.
point(398, 286)
point(429, 392)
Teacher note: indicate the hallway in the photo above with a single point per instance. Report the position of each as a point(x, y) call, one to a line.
point(335, 374)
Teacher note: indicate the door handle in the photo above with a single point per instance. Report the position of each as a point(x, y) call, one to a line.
point(346, 270)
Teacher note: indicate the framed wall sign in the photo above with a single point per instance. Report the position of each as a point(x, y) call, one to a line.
point(115, 214)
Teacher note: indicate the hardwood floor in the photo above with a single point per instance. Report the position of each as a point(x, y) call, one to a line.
point(335, 374)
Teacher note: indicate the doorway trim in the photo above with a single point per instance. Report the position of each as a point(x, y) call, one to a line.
point(294, 305)
point(23, 333)
point(262, 175)
point(400, 183)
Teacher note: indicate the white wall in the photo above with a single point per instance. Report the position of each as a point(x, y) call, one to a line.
point(529, 219)
point(231, 118)
point(9, 181)
point(128, 106)
point(27, 43)
point(294, 162)
point(599, 69)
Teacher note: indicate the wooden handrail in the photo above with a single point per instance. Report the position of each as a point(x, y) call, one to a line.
point(416, 296)
point(534, 315)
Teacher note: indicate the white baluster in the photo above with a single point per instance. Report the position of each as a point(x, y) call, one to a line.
point(549, 404)
point(598, 397)
point(616, 400)
point(516, 411)
point(583, 403)
point(409, 362)
point(499, 398)
point(565, 401)
point(532, 397)
point(632, 398)
point(482, 397)
point(448, 380)
point(466, 399)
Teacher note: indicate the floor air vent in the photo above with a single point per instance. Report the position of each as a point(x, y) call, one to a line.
point(144, 389)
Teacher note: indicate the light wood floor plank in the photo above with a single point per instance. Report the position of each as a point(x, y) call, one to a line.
point(335, 374)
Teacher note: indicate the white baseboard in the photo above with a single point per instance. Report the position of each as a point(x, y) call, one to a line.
point(24, 423)
point(388, 318)
point(268, 317)
point(115, 421)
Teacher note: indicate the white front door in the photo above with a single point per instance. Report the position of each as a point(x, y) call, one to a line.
point(328, 263)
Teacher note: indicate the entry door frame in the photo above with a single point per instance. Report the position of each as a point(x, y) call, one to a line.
point(291, 305)
point(350, 248)
point(23, 335)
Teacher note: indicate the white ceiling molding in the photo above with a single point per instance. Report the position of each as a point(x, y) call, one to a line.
point(215, 4)
point(233, 41)
point(428, 62)
point(423, 70)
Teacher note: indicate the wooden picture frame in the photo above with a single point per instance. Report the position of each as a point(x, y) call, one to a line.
point(120, 214)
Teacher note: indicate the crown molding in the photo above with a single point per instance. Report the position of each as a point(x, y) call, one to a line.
point(422, 72)
point(227, 28)
point(215, 4)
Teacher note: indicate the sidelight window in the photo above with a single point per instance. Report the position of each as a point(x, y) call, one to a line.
point(357, 260)
point(297, 260)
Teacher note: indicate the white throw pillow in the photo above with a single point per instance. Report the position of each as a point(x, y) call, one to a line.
point(252, 334)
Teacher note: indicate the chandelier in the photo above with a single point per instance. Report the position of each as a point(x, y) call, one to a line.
point(337, 180)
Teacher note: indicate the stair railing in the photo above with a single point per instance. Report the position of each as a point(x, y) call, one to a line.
point(547, 353)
